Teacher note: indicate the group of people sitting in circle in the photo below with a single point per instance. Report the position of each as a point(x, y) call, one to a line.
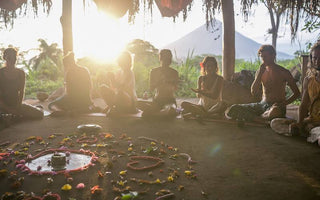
point(119, 92)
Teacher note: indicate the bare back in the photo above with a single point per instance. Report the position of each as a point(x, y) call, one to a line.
point(165, 81)
point(12, 83)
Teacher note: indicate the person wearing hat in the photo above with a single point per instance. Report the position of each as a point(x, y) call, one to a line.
point(209, 90)
point(273, 78)
point(77, 97)
point(309, 109)
point(12, 86)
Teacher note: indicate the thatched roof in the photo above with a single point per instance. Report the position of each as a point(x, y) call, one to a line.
point(295, 9)
point(11, 9)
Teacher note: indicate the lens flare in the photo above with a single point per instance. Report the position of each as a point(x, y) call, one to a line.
point(215, 149)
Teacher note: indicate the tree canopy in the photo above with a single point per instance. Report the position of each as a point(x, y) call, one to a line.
point(11, 9)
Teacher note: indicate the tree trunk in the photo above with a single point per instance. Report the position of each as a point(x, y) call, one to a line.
point(274, 30)
point(66, 23)
point(228, 47)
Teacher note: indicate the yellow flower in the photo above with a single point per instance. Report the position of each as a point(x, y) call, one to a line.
point(188, 172)
point(66, 187)
point(158, 181)
point(31, 138)
point(130, 149)
point(170, 179)
point(84, 145)
point(123, 172)
point(153, 143)
point(121, 183)
point(52, 136)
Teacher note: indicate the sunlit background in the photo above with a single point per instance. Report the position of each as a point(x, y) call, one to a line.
point(97, 34)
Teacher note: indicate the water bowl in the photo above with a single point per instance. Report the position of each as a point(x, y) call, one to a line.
point(56, 161)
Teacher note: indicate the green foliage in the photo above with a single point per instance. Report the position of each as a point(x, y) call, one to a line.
point(47, 78)
point(189, 72)
point(289, 63)
point(142, 78)
point(311, 26)
point(241, 64)
point(33, 86)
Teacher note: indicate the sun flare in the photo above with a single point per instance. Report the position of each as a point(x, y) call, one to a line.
point(98, 35)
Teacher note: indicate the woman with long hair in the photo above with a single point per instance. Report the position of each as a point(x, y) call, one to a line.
point(209, 90)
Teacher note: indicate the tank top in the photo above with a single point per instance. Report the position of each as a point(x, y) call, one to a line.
point(204, 101)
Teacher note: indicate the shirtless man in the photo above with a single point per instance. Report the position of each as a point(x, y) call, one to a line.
point(78, 86)
point(164, 80)
point(12, 86)
point(309, 115)
point(274, 79)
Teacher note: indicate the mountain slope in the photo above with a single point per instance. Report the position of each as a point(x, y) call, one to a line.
point(203, 41)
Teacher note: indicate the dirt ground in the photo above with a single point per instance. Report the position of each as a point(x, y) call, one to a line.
point(232, 162)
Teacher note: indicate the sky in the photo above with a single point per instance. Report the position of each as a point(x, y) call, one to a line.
point(98, 35)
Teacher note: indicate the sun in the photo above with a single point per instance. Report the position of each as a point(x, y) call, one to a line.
point(98, 35)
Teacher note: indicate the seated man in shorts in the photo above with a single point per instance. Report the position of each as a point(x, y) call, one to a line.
point(309, 109)
point(78, 86)
point(164, 81)
point(12, 86)
point(273, 79)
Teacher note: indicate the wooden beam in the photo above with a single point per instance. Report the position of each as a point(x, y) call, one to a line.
point(304, 68)
point(228, 46)
point(66, 23)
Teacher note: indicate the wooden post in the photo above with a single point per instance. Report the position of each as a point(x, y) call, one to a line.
point(66, 23)
point(228, 47)
point(304, 67)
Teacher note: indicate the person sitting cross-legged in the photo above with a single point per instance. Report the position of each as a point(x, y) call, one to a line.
point(209, 90)
point(164, 81)
point(273, 79)
point(12, 86)
point(309, 109)
point(77, 97)
point(120, 92)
